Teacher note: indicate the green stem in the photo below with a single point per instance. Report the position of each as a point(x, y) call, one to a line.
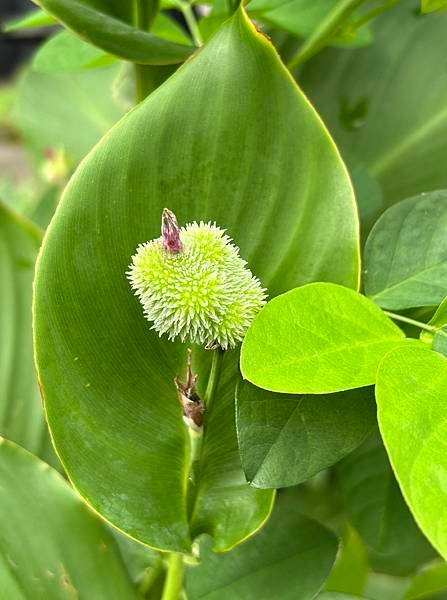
point(419, 324)
point(190, 19)
point(144, 13)
point(213, 380)
point(319, 38)
point(174, 578)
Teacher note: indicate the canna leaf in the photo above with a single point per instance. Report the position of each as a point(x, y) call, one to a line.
point(255, 162)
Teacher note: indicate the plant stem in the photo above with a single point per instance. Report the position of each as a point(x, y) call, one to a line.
point(196, 437)
point(213, 380)
point(174, 578)
point(419, 324)
point(144, 13)
point(319, 38)
point(188, 13)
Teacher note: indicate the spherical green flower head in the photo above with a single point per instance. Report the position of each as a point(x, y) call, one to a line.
point(193, 284)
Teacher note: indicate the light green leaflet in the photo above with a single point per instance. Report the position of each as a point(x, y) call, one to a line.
point(317, 339)
point(412, 411)
point(260, 164)
point(406, 253)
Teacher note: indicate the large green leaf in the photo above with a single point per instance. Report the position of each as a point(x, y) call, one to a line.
point(377, 510)
point(317, 339)
point(412, 412)
point(285, 439)
point(21, 416)
point(386, 104)
point(406, 253)
point(258, 162)
point(51, 545)
point(69, 111)
point(109, 25)
point(289, 559)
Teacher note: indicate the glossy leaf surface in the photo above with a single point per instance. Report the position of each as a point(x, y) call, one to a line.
point(406, 254)
point(109, 25)
point(21, 416)
point(405, 144)
point(286, 439)
point(412, 412)
point(290, 558)
point(317, 339)
point(194, 145)
point(68, 551)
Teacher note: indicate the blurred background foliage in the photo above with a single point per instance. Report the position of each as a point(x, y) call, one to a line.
point(379, 81)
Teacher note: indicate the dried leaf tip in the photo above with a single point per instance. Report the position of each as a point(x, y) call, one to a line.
point(170, 232)
point(190, 401)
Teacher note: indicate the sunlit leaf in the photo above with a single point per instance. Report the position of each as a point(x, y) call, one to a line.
point(317, 339)
point(412, 412)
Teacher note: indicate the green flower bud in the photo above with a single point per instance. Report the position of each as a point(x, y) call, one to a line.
point(193, 284)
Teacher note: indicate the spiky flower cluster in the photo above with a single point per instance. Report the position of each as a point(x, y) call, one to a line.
point(193, 284)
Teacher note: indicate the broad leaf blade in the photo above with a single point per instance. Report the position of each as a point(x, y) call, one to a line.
point(285, 439)
point(108, 25)
point(317, 339)
point(193, 144)
point(406, 253)
point(290, 558)
point(411, 390)
point(68, 551)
